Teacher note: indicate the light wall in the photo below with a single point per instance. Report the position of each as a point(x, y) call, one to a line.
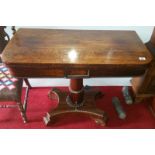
point(144, 33)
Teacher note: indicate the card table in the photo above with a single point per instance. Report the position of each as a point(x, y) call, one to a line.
point(76, 55)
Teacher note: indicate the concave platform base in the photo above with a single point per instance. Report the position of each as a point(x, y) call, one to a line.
point(88, 105)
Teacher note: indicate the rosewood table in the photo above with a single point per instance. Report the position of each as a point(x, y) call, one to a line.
point(76, 54)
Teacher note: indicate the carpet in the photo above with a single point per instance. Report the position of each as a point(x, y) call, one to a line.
point(138, 115)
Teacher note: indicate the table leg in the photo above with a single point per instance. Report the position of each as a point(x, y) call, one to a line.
point(79, 100)
point(152, 107)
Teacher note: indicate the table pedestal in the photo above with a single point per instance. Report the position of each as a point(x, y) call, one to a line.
point(79, 100)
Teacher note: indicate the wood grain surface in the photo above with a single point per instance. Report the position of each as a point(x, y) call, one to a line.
point(102, 53)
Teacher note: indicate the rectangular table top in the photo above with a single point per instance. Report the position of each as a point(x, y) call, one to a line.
point(104, 53)
point(82, 47)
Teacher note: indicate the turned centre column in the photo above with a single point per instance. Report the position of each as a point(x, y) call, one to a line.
point(76, 91)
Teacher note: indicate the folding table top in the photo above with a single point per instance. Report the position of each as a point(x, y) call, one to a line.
point(75, 53)
point(75, 47)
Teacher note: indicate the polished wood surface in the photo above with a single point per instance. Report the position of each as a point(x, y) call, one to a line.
point(88, 105)
point(144, 86)
point(76, 91)
point(68, 53)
